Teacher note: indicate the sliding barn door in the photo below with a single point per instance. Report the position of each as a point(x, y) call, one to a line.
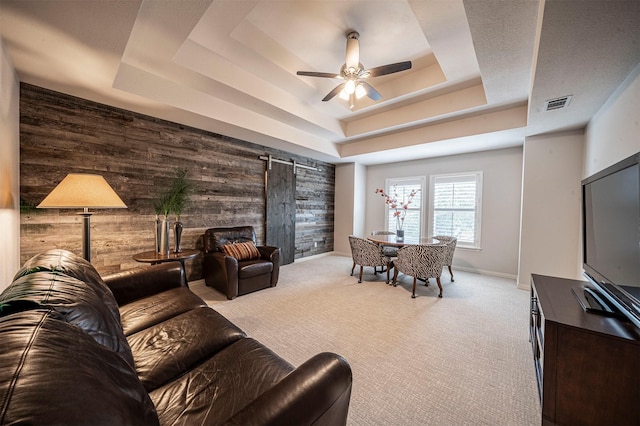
point(281, 210)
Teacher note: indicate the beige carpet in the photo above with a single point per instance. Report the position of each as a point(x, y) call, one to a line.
point(464, 359)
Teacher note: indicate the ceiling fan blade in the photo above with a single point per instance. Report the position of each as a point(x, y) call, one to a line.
point(353, 51)
point(386, 69)
point(334, 92)
point(371, 92)
point(319, 74)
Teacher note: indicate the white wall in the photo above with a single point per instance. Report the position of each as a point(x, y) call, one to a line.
point(349, 205)
point(614, 132)
point(502, 177)
point(9, 170)
point(551, 203)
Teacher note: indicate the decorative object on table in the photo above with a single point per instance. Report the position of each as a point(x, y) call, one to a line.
point(157, 233)
point(177, 234)
point(83, 191)
point(162, 209)
point(400, 207)
point(180, 190)
point(172, 201)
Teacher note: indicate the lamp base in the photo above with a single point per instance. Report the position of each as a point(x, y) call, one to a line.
point(86, 234)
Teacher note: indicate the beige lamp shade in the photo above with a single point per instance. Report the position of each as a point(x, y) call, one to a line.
point(82, 191)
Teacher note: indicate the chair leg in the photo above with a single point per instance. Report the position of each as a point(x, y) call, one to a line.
point(439, 286)
point(360, 277)
point(389, 266)
point(451, 273)
point(395, 277)
point(353, 267)
point(413, 292)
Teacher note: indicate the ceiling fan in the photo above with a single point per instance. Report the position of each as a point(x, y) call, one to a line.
point(354, 73)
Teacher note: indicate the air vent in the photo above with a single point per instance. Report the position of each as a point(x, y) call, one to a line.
point(557, 103)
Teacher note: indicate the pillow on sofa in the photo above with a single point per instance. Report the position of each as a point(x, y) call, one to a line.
point(241, 251)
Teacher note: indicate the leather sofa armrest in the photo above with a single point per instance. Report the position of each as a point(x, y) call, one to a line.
point(135, 284)
point(317, 392)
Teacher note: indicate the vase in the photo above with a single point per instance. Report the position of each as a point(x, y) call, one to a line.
point(156, 236)
point(165, 246)
point(177, 234)
point(400, 234)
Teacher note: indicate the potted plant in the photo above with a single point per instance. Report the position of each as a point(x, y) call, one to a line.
point(173, 200)
point(400, 207)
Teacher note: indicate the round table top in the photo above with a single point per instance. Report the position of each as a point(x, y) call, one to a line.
point(392, 240)
point(153, 257)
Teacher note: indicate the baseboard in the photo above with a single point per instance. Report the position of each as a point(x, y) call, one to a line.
point(485, 272)
point(315, 256)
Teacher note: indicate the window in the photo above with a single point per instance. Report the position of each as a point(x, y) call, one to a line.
point(455, 206)
point(401, 188)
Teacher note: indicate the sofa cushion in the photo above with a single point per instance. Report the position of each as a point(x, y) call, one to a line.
point(221, 386)
point(241, 251)
point(51, 372)
point(166, 350)
point(152, 310)
point(77, 301)
point(253, 268)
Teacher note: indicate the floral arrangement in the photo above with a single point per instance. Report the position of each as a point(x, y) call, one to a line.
point(174, 199)
point(399, 207)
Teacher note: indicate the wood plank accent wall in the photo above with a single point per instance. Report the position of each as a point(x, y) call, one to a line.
point(138, 155)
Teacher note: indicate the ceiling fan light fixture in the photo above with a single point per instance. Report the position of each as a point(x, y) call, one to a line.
point(350, 87)
point(353, 73)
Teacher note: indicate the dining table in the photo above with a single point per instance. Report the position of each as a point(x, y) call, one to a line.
point(393, 240)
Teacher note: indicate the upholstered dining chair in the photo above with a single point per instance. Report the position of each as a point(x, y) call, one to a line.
point(387, 250)
point(451, 248)
point(420, 261)
point(368, 253)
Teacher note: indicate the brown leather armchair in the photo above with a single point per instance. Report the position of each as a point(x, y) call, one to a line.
point(234, 277)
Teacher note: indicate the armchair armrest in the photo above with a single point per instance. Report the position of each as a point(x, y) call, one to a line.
point(272, 254)
point(135, 284)
point(317, 392)
point(221, 272)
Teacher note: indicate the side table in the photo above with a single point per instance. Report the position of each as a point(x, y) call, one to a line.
point(153, 257)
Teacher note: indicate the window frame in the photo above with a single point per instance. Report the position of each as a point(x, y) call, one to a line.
point(390, 182)
point(464, 177)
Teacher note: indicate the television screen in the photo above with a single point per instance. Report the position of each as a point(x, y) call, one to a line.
point(611, 234)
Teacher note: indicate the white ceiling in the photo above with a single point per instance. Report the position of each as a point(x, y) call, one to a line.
point(482, 69)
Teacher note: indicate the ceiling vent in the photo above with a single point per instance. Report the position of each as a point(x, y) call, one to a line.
point(557, 103)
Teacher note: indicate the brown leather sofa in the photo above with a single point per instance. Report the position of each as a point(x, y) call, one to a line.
point(233, 277)
point(140, 348)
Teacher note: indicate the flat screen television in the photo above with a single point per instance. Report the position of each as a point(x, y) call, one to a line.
point(611, 235)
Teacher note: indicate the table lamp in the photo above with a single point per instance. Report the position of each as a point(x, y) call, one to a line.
point(83, 191)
